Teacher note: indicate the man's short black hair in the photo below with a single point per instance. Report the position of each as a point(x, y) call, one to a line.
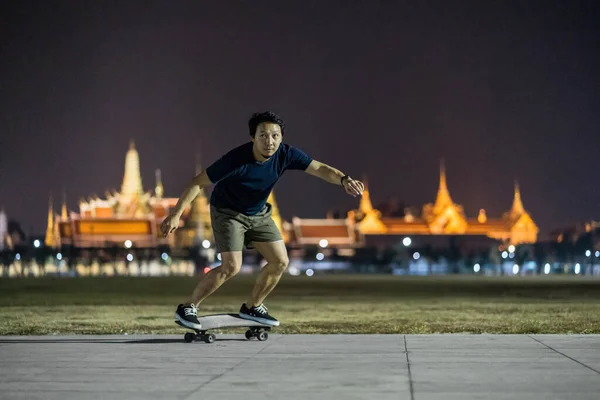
point(267, 116)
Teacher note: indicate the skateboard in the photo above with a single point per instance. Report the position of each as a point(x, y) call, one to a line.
point(216, 321)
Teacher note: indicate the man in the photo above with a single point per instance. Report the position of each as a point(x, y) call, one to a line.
point(244, 177)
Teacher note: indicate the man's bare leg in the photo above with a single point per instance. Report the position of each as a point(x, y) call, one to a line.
point(231, 262)
point(277, 261)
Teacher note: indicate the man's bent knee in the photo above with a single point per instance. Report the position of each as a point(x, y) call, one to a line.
point(230, 269)
point(230, 264)
point(279, 264)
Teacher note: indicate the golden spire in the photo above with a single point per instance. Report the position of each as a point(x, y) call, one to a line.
point(370, 219)
point(482, 217)
point(443, 196)
point(365, 201)
point(275, 212)
point(64, 215)
point(158, 190)
point(517, 207)
point(523, 228)
point(132, 181)
point(49, 240)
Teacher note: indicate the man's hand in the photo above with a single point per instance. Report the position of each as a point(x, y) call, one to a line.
point(353, 187)
point(169, 224)
point(332, 175)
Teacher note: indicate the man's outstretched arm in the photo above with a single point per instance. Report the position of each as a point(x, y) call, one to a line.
point(336, 177)
point(192, 190)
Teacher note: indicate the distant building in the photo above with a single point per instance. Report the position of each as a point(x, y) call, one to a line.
point(443, 218)
point(573, 233)
point(134, 215)
point(129, 215)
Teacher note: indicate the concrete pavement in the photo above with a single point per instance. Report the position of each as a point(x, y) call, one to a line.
point(415, 367)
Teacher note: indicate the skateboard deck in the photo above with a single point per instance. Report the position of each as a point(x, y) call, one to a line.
point(217, 321)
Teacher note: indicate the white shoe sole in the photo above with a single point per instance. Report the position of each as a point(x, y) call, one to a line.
point(188, 324)
point(259, 319)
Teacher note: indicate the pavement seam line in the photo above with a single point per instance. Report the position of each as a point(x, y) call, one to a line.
point(229, 369)
point(564, 355)
point(410, 382)
point(192, 392)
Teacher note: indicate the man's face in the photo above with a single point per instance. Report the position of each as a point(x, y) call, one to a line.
point(267, 139)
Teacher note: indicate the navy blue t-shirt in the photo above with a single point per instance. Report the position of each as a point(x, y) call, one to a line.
point(244, 184)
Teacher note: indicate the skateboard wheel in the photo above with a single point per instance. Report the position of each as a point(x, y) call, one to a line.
point(210, 338)
point(263, 336)
point(249, 334)
point(189, 337)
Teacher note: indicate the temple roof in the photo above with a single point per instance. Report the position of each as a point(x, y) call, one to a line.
point(132, 180)
point(445, 217)
point(443, 198)
point(365, 205)
point(517, 206)
point(399, 226)
point(312, 231)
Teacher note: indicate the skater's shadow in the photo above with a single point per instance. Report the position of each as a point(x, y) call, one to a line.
point(107, 341)
point(181, 341)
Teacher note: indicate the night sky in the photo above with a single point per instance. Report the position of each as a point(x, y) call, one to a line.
point(387, 89)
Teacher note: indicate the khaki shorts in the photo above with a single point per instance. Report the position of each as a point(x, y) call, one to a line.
point(234, 230)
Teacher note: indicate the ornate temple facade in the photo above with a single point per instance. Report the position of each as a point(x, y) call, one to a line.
point(445, 217)
point(135, 215)
point(131, 214)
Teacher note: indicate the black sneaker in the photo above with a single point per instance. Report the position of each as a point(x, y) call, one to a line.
point(258, 314)
point(187, 315)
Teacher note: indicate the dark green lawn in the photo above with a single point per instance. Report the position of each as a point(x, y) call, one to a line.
point(319, 304)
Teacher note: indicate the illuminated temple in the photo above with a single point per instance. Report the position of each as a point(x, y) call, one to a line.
point(445, 217)
point(442, 217)
point(133, 214)
point(130, 214)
